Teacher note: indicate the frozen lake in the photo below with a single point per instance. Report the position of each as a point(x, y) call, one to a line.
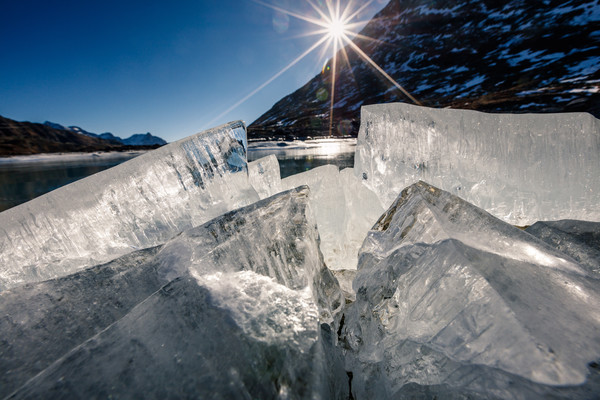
point(26, 177)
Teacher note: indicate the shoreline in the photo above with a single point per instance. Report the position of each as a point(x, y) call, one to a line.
point(69, 157)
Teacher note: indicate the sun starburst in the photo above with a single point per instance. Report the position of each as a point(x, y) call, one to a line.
point(336, 28)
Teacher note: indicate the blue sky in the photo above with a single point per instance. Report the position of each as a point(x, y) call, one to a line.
point(166, 67)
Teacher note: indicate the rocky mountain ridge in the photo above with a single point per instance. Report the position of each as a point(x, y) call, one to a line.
point(138, 139)
point(24, 138)
point(492, 56)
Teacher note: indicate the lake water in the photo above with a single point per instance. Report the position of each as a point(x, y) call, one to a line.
point(24, 178)
point(27, 177)
point(299, 156)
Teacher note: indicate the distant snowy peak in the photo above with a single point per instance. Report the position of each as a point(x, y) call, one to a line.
point(138, 139)
point(80, 130)
point(23, 138)
point(109, 136)
point(515, 56)
point(143, 139)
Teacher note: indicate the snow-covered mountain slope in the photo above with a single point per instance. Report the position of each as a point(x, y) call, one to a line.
point(497, 56)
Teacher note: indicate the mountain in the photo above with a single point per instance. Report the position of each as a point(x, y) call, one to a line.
point(143, 139)
point(496, 56)
point(22, 138)
point(138, 139)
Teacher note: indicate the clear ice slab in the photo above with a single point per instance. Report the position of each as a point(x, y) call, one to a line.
point(264, 176)
point(138, 204)
point(450, 296)
point(280, 241)
point(344, 209)
point(183, 342)
point(230, 309)
point(40, 322)
point(578, 239)
point(521, 168)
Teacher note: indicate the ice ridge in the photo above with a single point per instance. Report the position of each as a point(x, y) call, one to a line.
point(224, 310)
point(138, 204)
point(191, 296)
point(444, 293)
point(522, 168)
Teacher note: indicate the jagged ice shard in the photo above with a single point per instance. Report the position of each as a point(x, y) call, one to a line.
point(521, 168)
point(140, 203)
point(228, 309)
point(264, 176)
point(451, 298)
point(155, 283)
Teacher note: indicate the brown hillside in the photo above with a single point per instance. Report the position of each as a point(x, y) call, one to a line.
point(23, 138)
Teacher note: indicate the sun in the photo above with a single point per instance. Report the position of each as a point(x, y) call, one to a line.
point(337, 28)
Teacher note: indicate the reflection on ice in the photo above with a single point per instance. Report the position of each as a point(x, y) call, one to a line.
point(538, 257)
point(577, 239)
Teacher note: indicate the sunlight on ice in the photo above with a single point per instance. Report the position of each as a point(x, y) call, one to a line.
point(264, 309)
point(440, 297)
point(138, 204)
point(538, 256)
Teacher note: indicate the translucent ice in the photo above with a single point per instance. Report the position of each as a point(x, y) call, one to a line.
point(264, 176)
point(183, 342)
point(578, 239)
point(521, 168)
point(449, 296)
point(344, 208)
point(138, 204)
point(279, 241)
point(229, 309)
point(40, 322)
point(327, 201)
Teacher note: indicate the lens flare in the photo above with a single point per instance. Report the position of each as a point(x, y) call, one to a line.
point(335, 28)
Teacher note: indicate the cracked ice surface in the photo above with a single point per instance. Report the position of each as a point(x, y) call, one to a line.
point(521, 168)
point(228, 309)
point(279, 241)
point(439, 305)
point(137, 204)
